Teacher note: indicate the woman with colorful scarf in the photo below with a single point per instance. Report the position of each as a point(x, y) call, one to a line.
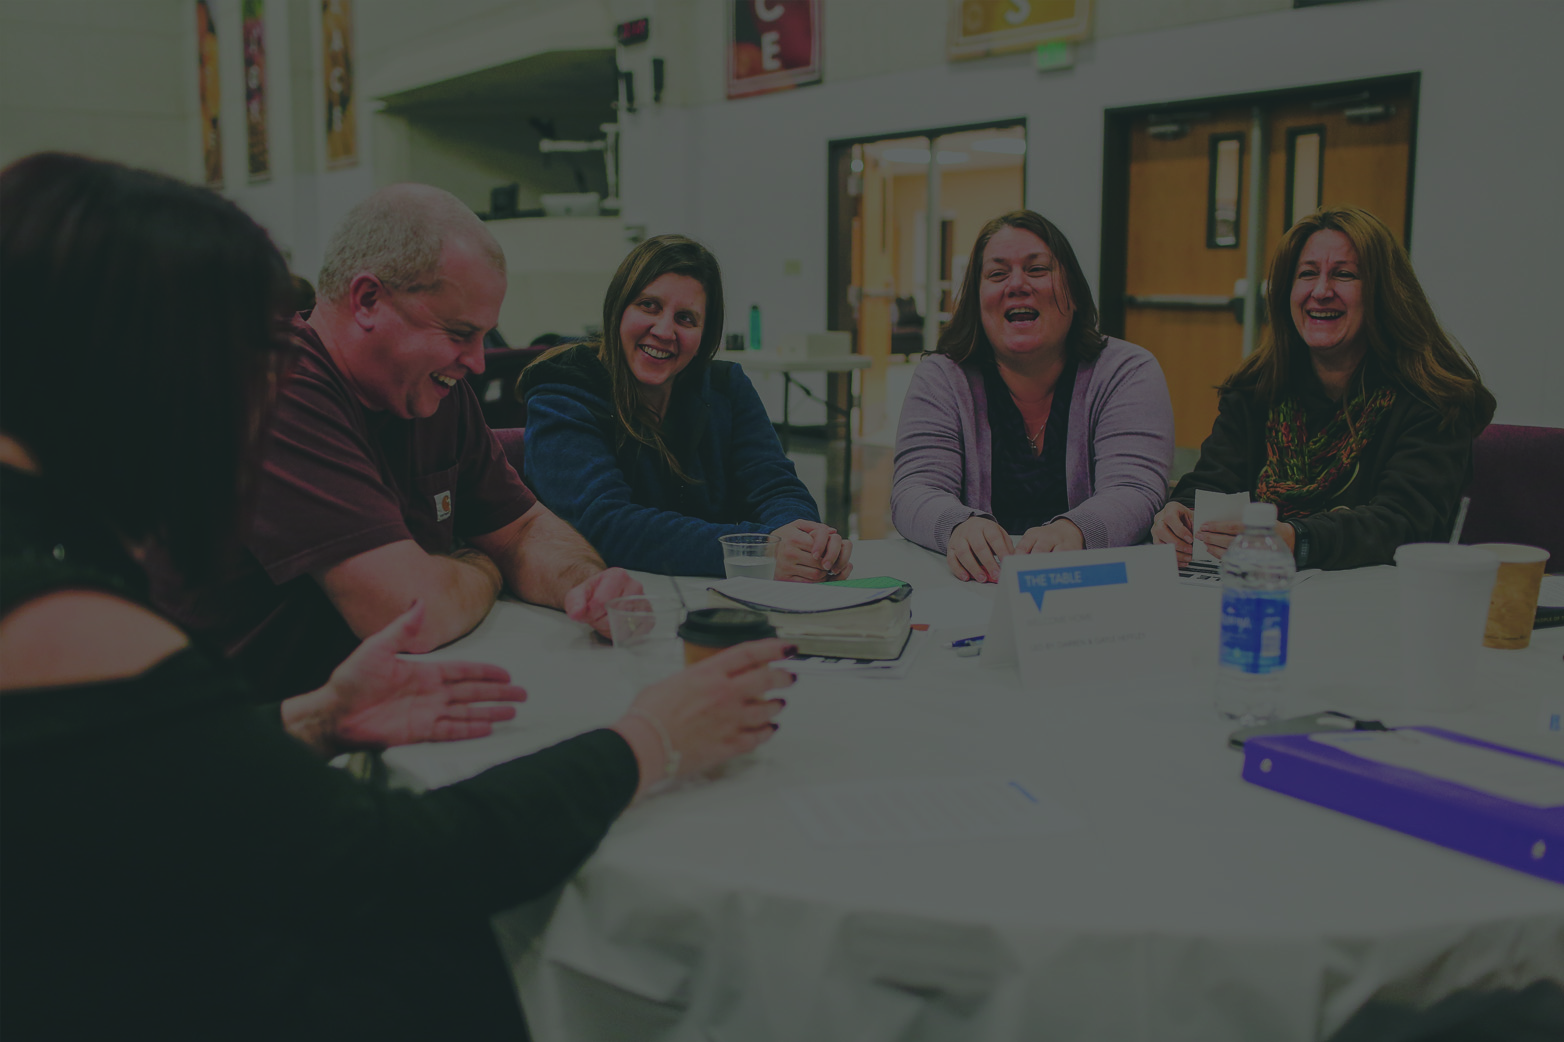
point(1355, 417)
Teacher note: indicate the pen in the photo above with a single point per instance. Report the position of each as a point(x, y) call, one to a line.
point(966, 642)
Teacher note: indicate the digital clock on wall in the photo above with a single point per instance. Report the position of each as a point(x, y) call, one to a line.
point(635, 31)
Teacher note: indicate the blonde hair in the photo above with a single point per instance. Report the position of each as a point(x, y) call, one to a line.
point(398, 235)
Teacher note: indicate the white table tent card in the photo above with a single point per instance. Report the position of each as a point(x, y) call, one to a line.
point(1084, 617)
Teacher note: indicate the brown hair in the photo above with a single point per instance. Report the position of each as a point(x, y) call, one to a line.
point(651, 260)
point(1402, 335)
point(963, 337)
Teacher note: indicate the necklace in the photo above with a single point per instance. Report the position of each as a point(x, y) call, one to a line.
point(1035, 439)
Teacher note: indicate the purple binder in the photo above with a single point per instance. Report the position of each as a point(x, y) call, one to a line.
point(1506, 832)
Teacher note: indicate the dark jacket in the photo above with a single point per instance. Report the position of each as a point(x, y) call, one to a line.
point(624, 498)
point(1406, 489)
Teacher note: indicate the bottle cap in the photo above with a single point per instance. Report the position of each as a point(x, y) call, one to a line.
point(1260, 515)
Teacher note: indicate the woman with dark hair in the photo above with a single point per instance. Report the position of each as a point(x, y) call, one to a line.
point(653, 449)
point(1026, 419)
point(245, 888)
point(1355, 417)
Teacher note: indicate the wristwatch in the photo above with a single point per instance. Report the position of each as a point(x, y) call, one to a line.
point(1300, 544)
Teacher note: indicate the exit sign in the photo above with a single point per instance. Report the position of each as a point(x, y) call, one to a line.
point(635, 31)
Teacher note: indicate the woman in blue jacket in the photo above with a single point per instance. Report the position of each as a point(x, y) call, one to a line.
point(651, 448)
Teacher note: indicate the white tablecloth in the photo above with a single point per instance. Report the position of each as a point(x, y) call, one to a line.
point(1189, 905)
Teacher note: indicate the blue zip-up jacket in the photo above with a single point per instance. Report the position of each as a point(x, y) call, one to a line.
point(625, 500)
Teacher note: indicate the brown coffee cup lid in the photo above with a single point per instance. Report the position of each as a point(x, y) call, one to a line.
point(724, 627)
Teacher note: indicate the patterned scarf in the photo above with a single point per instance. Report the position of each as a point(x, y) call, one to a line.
point(1300, 472)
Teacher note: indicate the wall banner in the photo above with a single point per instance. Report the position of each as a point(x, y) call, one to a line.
point(772, 45)
point(253, 14)
point(341, 103)
point(979, 27)
point(211, 95)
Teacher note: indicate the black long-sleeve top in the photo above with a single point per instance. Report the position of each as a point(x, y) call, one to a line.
point(175, 865)
point(1406, 489)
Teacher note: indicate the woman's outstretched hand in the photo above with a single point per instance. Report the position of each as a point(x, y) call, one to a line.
point(377, 699)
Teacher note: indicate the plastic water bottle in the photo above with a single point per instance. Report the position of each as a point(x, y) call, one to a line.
point(754, 327)
point(1257, 574)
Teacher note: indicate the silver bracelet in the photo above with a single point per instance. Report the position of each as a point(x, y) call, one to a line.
point(671, 756)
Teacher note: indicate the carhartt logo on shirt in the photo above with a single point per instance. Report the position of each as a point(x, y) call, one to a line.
point(442, 506)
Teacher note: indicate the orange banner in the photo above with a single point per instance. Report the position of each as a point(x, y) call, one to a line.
point(341, 102)
point(211, 95)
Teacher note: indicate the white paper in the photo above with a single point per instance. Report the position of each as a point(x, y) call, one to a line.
point(1534, 782)
point(1092, 617)
point(1552, 593)
point(799, 597)
point(1213, 508)
point(1191, 575)
point(932, 810)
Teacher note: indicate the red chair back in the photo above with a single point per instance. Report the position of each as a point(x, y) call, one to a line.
point(1517, 489)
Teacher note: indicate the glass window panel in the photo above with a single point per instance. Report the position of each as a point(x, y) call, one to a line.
point(1226, 180)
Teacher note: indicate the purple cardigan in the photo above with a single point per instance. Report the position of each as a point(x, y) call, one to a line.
point(1118, 451)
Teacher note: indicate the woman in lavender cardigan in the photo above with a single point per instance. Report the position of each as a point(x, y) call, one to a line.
point(1026, 418)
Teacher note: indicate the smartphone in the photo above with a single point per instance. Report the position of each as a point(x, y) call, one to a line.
point(1313, 723)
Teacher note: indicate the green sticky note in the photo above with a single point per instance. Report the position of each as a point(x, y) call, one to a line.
point(878, 582)
point(1059, 54)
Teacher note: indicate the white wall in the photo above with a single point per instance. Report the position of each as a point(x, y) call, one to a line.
point(749, 177)
point(115, 78)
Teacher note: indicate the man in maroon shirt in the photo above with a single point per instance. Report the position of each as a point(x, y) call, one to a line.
point(379, 460)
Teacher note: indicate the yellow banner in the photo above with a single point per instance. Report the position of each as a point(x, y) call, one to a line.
point(341, 107)
point(979, 27)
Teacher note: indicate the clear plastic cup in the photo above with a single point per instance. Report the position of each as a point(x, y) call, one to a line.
point(646, 637)
point(751, 555)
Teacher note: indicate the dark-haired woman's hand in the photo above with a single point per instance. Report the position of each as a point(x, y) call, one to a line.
point(975, 548)
point(1055, 536)
point(709, 713)
point(377, 699)
point(1174, 524)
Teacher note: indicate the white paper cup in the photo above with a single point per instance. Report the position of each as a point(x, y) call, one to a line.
point(646, 637)
point(1444, 606)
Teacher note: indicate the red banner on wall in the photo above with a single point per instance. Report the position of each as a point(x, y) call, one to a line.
point(772, 45)
point(253, 14)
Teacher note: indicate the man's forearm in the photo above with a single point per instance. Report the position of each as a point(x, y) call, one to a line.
point(549, 560)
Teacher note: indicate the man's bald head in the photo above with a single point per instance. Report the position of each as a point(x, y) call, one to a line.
point(398, 235)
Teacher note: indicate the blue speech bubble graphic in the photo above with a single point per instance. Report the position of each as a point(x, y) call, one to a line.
point(1079, 577)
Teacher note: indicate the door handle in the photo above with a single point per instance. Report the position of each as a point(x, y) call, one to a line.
point(1187, 302)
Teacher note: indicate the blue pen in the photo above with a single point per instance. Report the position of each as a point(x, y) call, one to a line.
point(966, 642)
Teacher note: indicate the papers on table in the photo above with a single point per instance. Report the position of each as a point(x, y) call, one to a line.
point(1094, 617)
point(769, 595)
point(926, 810)
point(1204, 574)
point(1538, 783)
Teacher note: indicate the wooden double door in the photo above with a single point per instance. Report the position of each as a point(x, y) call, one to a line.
point(1181, 279)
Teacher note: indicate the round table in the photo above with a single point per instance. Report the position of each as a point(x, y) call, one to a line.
point(1183, 903)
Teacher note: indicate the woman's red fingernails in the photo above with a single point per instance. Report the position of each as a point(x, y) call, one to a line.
point(790, 650)
point(774, 727)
